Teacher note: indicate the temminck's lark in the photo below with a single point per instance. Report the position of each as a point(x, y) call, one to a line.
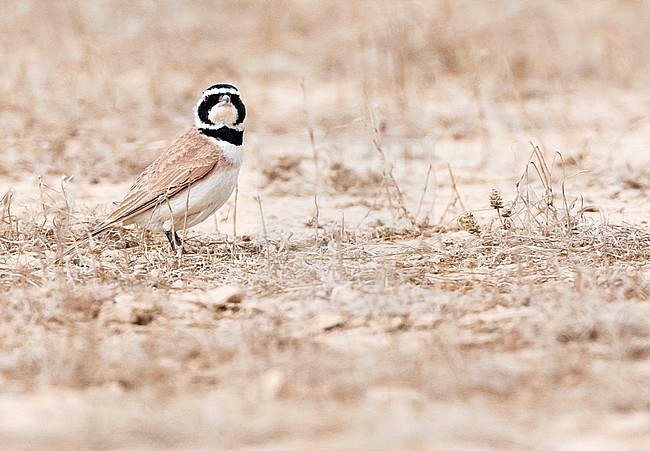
point(194, 177)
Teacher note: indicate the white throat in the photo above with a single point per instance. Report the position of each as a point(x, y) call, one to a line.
point(200, 124)
point(232, 152)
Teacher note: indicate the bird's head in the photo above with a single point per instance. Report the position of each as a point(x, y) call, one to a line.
point(220, 106)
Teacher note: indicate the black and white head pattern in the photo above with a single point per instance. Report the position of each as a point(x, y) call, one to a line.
point(234, 134)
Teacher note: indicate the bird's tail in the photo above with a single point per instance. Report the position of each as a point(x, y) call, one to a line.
point(101, 228)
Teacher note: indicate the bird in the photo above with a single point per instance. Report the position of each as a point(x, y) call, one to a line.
point(193, 177)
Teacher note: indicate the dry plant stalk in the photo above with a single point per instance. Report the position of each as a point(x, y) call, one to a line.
point(496, 200)
point(468, 223)
point(234, 214)
point(5, 205)
point(393, 191)
point(454, 197)
point(425, 220)
point(503, 211)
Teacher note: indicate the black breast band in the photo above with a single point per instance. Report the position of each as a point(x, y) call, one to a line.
point(230, 135)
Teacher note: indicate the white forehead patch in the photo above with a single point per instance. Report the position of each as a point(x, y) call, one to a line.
point(220, 91)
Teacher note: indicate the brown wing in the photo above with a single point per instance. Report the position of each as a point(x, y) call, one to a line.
point(185, 162)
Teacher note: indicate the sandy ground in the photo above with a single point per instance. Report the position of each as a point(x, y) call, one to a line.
point(347, 308)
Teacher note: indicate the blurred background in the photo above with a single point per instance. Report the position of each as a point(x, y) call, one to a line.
point(391, 341)
point(86, 84)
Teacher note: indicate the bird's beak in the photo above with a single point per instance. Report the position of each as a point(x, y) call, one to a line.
point(224, 99)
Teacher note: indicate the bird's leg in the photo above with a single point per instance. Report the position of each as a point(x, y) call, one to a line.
point(174, 240)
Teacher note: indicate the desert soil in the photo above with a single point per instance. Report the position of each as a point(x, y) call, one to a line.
point(345, 299)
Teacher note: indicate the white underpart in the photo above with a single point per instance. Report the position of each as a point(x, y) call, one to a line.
point(198, 202)
point(232, 152)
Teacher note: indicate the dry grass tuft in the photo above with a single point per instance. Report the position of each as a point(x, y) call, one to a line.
point(542, 236)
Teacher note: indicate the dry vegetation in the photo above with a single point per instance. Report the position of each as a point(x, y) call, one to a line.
point(441, 236)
